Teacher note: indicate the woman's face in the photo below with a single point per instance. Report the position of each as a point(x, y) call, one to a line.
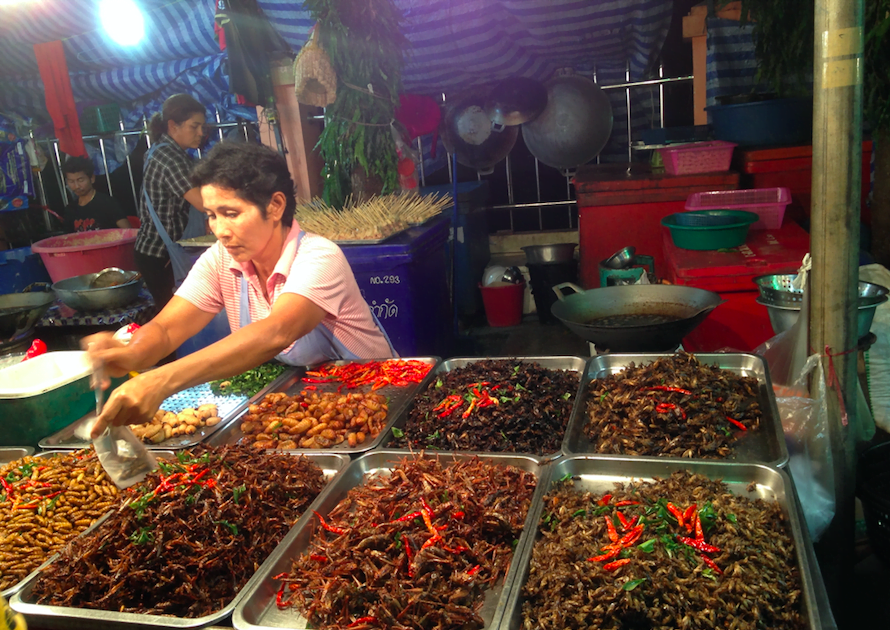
point(239, 225)
point(188, 135)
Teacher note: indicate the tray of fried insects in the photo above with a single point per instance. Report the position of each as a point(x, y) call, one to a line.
point(498, 404)
point(713, 406)
point(196, 410)
point(326, 412)
point(71, 618)
point(714, 542)
point(424, 538)
point(29, 534)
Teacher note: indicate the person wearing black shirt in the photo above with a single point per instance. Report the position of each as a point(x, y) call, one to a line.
point(92, 210)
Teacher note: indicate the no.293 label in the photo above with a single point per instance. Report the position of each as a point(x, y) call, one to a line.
point(385, 280)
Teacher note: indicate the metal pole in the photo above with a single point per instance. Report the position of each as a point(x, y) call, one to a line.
point(58, 168)
point(129, 164)
point(40, 187)
point(105, 162)
point(834, 236)
point(218, 122)
point(661, 95)
point(627, 99)
point(538, 191)
point(420, 153)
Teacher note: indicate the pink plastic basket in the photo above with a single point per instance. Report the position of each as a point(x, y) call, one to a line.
point(697, 157)
point(767, 203)
point(80, 253)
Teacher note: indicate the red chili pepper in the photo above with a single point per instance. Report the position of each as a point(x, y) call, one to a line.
point(408, 554)
point(699, 532)
point(318, 558)
point(330, 528)
point(279, 597)
point(469, 410)
point(431, 541)
point(474, 570)
point(626, 503)
point(457, 514)
point(623, 520)
point(698, 545)
point(633, 522)
point(612, 566)
point(456, 550)
point(6, 486)
point(668, 407)
point(280, 576)
point(606, 556)
point(316, 380)
point(605, 500)
point(736, 423)
point(304, 404)
point(26, 506)
point(610, 526)
point(677, 513)
point(362, 621)
point(53, 495)
point(631, 537)
point(665, 388)
point(712, 564)
point(688, 517)
point(311, 388)
point(495, 387)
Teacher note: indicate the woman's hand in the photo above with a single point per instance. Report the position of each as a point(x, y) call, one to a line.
point(109, 353)
point(134, 402)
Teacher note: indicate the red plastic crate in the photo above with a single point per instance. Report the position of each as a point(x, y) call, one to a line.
point(767, 203)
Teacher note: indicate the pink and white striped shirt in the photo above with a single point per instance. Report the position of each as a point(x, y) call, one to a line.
point(317, 270)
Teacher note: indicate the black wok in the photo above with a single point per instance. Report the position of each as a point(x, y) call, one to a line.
point(20, 312)
point(664, 315)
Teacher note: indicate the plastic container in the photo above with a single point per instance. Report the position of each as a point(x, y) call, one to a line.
point(503, 303)
point(19, 268)
point(543, 278)
point(43, 395)
point(404, 280)
point(717, 235)
point(697, 157)
point(767, 203)
point(764, 123)
point(81, 253)
point(100, 119)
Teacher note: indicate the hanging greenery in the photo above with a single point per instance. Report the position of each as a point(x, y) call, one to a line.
point(877, 71)
point(366, 46)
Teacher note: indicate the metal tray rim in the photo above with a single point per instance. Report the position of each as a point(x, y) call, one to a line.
point(776, 419)
point(625, 465)
point(230, 417)
point(445, 366)
point(138, 620)
point(393, 456)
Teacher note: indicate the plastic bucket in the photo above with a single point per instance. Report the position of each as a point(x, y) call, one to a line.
point(80, 253)
point(503, 303)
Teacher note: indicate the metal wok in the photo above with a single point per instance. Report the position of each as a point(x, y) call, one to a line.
point(685, 306)
point(19, 313)
point(467, 131)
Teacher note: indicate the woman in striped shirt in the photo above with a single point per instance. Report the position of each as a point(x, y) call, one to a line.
point(288, 294)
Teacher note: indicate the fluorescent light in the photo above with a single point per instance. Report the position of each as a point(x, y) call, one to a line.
point(123, 21)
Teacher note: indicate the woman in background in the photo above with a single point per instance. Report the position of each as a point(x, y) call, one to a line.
point(167, 195)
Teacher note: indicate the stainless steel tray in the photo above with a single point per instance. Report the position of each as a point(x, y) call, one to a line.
point(199, 242)
point(63, 618)
point(399, 399)
point(9, 592)
point(569, 363)
point(599, 474)
point(258, 608)
point(228, 407)
point(766, 446)
point(12, 453)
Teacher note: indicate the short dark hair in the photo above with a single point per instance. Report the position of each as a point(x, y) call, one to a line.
point(178, 108)
point(252, 170)
point(77, 164)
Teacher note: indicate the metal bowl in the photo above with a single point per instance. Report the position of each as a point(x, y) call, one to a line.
point(778, 290)
point(20, 312)
point(548, 254)
point(782, 318)
point(76, 293)
point(621, 259)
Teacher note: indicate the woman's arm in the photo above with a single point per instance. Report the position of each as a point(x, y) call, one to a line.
point(193, 196)
point(136, 400)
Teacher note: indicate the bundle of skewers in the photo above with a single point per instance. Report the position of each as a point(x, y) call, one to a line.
point(374, 219)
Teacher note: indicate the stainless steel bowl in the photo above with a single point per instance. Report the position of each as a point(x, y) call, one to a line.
point(621, 259)
point(777, 290)
point(76, 293)
point(782, 318)
point(547, 254)
point(19, 313)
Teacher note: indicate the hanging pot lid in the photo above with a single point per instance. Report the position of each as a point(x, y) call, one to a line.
point(514, 101)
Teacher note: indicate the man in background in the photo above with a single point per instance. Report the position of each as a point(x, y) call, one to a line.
point(92, 210)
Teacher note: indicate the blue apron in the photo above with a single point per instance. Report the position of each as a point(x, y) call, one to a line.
point(180, 259)
point(318, 345)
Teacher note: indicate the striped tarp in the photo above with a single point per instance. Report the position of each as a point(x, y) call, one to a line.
point(731, 66)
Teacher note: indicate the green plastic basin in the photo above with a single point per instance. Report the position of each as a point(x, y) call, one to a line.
point(709, 229)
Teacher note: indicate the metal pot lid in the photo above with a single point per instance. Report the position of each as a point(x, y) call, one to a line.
point(473, 125)
point(515, 101)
